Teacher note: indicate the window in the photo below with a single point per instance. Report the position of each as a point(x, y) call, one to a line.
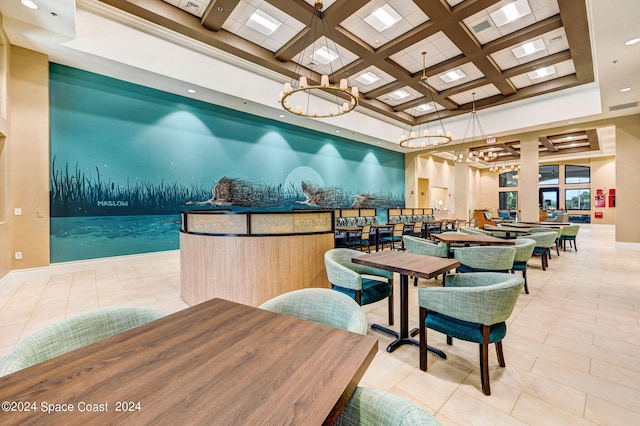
point(577, 174)
point(577, 199)
point(548, 175)
point(508, 179)
point(508, 200)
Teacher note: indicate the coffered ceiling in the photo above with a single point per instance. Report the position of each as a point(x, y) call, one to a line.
point(500, 50)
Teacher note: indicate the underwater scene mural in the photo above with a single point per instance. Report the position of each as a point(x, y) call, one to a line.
point(126, 159)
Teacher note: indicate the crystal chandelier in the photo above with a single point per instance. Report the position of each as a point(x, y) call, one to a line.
point(422, 136)
point(300, 95)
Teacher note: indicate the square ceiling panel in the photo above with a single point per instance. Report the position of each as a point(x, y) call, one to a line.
point(543, 74)
point(379, 21)
point(455, 77)
point(438, 47)
point(425, 106)
point(481, 92)
point(508, 16)
point(536, 48)
point(262, 24)
point(324, 57)
point(370, 78)
point(400, 96)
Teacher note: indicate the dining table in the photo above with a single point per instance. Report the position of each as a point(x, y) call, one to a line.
point(508, 230)
point(407, 264)
point(467, 240)
point(218, 362)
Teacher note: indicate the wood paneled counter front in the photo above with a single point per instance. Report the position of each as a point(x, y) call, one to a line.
point(251, 257)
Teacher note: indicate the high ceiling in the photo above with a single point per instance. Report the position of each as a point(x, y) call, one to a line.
point(500, 50)
point(213, 47)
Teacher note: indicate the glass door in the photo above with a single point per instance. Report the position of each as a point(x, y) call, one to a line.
point(548, 198)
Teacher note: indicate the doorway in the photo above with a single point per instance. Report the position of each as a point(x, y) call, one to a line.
point(548, 198)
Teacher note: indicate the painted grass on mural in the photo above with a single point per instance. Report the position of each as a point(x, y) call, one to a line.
point(76, 193)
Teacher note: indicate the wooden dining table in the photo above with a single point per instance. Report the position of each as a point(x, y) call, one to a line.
point(218, 362)
point(508, 230)
point(470, 239)
point(407, 264)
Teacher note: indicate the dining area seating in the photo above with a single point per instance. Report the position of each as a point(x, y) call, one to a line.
point(484, 258)
point(472, 307)
point(72, 333)
point(361, 283)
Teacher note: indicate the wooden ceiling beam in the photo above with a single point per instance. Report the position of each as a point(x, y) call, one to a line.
point(217, 13)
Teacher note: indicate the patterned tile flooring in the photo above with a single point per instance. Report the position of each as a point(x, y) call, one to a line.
point(572, 346)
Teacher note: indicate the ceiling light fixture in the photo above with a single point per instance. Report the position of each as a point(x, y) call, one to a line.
point(511, 12)
point(474, 125)
point(301, 89)
point(542, 72)
point(452, 76)
point(632, 42)
point(30, 4)
point(528, 48)
point(367, 78)
point(626, 89)
point(383, 18)
point(399, 94)
point(420, 136)
point(263, 23)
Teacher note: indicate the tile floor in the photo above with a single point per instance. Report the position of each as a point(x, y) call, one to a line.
point(572, 346)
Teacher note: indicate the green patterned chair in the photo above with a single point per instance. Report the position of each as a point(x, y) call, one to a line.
point(424, 247)
point(474, 231)
point(374, 407)
point(484, 258)
point(320, 305)
point(524, 250)
point(556, 242)
point(72, 333)
point(472, 307)
point(363, 284)
point(544, 242)
point(569, 233)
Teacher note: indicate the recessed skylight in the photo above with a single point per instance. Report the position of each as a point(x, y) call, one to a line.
point(324, 55)
point(382, 18)
point(399, 94)
point(528, 48)
point(510, 12)
point(29, 4)
point(452, 76)
point(367, 78)
point(542, 72)
point(263, 23)
point(632, 41)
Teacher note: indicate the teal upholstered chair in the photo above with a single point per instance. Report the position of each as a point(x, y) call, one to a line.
point(472, 307)
point(569, 233)
point(73, 333)
point(474, 231)
point(363, 284)
point(374, 407)
point(544, 242)
point(485, 258)
point(320, 305)
point(394, 238)
point(424, 247)
point(361, 240)
point(524, 250)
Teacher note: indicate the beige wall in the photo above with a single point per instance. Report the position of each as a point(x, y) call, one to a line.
point(5, 227)
point(27, 150)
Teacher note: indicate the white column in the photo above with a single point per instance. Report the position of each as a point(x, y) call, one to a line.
point(461, 191)
point(528, 181)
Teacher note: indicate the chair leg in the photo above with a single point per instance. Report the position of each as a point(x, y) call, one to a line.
point(500, 354)
point(391, 315)
point(423, 339)
point(484, 361)
point(543, 258)
point(449, 340)
point(524, 275)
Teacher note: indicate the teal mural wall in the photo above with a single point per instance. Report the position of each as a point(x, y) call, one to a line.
point(126, 159)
